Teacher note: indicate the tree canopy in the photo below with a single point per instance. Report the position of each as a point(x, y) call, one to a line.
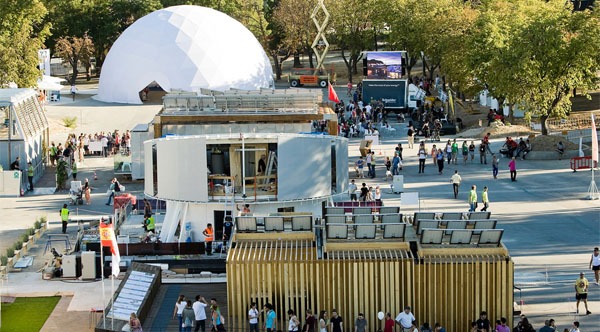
point(22, 34)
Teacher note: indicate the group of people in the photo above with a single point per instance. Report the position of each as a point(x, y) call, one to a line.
point(512, 148)
point(365, 194)
point(78, 146)
point(334, 323)
point(358, 119)
point(193, 314)
point(483, 324)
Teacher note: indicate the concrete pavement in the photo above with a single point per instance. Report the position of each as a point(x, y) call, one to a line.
point(550, 229)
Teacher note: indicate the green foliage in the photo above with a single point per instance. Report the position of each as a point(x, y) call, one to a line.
point(3, 260)
point(21, 36)
point(24, 237)
point(61, 174)
point(18, 245)
point(27, 313)
point(43, 219)
point(69, 121)
point(10, 252)
point(37, 224)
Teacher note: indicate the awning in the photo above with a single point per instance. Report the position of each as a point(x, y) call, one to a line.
point(50, 83)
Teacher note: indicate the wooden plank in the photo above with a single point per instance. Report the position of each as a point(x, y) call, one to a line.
point(371, 245)
point(498, 251)
point(166, 119)
point(271, 237)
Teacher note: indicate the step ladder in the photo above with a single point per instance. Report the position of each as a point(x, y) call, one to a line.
point(271, 164)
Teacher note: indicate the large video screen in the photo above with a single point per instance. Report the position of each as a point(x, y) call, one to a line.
point(384, 65)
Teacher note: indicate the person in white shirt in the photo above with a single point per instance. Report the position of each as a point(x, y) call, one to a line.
point(455, 180)
point(406, 320)
point(575, 327)
point(352, 190)
point(200, 313)
point(253, 317)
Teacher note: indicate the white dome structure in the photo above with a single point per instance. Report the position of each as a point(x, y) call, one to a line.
point(184, 48)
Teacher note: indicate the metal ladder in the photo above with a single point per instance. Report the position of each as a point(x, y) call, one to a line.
point(271, 163)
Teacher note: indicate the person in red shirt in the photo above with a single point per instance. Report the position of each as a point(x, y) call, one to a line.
point(389, 323)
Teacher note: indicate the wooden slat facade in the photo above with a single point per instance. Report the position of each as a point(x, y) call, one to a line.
point(446, 286)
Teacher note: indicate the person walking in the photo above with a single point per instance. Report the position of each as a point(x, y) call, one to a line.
point(465, 152)
point(440, 161)
point(336, 322)
point(581, 292)
point(74, 171)
point(411, 136)
point(473, 199)
point(360, 324)
point(270, 319)
point(199, 308)
point(482, 156)
point(310, 323)
point(64, 217)
point(180, 304)
point(30, 175)
point(323, 322)
point(422, 157)
point(114, 187)
point(484, 199)
point(253, 317)
point(87, 192)
point(293, 323)
point(512, 166)
point(188, 317)
point(454, 151)
point(73, 91)
point(455, 180)
point(595, 265)
point(495, 165)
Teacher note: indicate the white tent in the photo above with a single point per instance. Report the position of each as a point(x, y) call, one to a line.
point(184, 48)
point(50, 83)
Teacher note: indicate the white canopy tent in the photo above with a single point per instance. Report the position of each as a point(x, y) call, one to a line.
point(183, 48)
point(50, 83)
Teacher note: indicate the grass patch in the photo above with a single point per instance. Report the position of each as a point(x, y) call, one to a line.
point(27, 313)
point(69, 122)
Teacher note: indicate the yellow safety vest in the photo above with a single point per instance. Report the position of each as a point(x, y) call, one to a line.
point(64, 214)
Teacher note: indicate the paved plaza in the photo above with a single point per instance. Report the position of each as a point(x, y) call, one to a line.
point(550, 228)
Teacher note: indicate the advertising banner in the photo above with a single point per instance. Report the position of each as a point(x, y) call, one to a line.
point(391, 92)
point(384, 65)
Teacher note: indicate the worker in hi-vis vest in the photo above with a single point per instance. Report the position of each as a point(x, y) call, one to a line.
point(64, 217)
point(208, 238)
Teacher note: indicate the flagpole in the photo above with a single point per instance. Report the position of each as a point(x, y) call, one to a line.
point(593, 189)
point(112, 301)
point(103, 290)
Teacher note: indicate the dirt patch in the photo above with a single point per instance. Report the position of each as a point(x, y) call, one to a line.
point(548, 143)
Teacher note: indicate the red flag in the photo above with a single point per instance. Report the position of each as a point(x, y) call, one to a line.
point(594, 141)
point(332, 95)
point(108, 239)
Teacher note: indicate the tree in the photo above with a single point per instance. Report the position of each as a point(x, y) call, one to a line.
point(101, 20)
point(488, 53)
point(22, 35)
point(75, 50)
point(353, 23)
point(298, 29)
point(558, 50)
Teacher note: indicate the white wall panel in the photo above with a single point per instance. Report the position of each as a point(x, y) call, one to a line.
point(303, 167)
point(148, 174)
point(167, 171)
point(341, 151)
